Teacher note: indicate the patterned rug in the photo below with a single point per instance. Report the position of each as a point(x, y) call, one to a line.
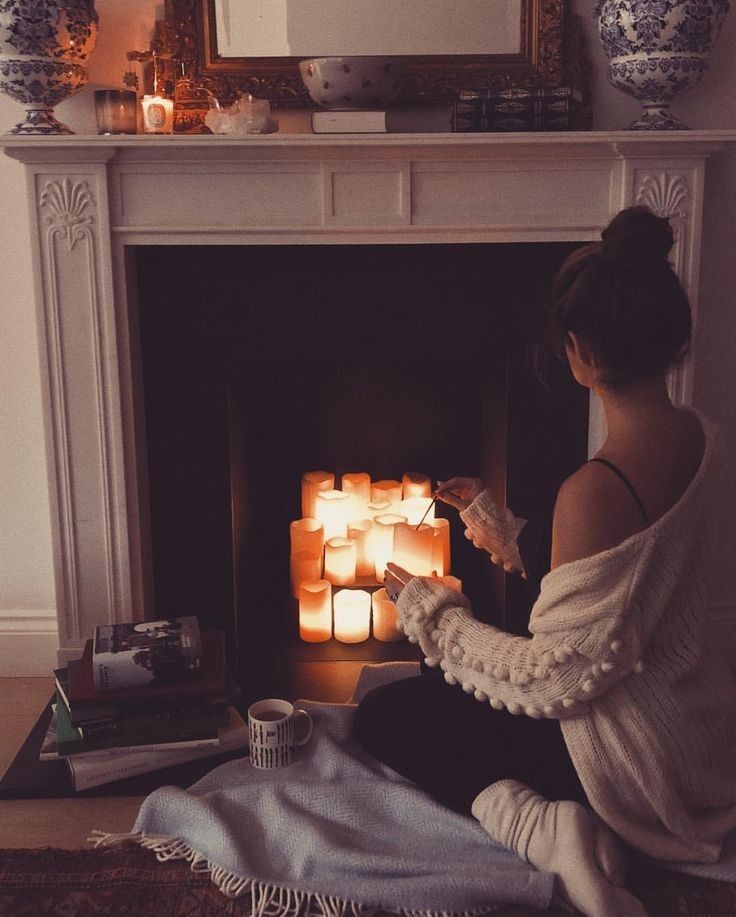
point(128, 882)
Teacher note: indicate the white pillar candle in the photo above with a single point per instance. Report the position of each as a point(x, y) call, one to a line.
point(385, 618)
point(352, 615)
point(383, 541)
point(415, 485)
point(453, 582)
point(441, 552)
point(158, 114)
point(307, 536)
point(333, 511)
point(387, 492)
point(361, 532)
point(358, 485)
point(415, 509)
point(312, 483)
point(340, 560)
point(413, 548)
point(304, 568)
point(377, 509)
point(315, 611)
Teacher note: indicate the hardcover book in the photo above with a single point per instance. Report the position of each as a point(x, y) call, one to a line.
point(348, 122)
point(419, 119)
point(516, 110)
point(89, 771)
point(86, 703)
point(63, 740)
point(146, 653)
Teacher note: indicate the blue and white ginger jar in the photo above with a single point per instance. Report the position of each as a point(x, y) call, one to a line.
point(44, 49)
point(658, 49)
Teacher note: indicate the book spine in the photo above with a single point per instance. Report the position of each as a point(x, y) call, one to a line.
point(81, 714)
point(563, 92)
point(72, 741)
point(153, 723)
point(169, 732)
point(68, 750)
point(97, 769)
point(469, 120)
point(349, 122)
point(90, 772)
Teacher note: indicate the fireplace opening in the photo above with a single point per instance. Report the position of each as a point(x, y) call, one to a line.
point(261, 363)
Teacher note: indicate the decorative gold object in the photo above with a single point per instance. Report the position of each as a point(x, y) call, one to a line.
point(186, 40)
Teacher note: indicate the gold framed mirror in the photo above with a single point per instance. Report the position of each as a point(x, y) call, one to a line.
point(548, 53)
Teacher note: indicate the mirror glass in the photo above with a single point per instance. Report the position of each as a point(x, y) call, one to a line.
point(323, 28)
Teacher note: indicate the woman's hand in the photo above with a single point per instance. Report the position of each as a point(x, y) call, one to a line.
point(459, 492)
point(395, 580)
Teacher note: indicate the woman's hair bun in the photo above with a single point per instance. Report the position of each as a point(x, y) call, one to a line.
point(636, 237)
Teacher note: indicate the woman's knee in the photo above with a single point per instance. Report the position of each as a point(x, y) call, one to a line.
point(372, 719)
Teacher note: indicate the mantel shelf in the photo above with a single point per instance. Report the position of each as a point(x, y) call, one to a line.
point(568, 144)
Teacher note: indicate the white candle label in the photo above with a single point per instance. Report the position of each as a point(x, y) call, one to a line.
point(156, 115)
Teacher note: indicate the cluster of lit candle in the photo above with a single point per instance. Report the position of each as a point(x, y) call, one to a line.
point(346, 538)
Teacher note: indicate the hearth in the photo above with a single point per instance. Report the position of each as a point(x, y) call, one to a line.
point(263, 362)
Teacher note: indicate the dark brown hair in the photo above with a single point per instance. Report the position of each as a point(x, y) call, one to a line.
point(622, 297)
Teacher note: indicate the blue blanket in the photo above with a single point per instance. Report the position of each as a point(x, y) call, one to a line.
point(334, 833)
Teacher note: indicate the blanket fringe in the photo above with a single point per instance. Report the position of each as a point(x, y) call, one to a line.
point(267, 899)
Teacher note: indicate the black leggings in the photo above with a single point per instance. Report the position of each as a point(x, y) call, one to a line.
point(453, 746)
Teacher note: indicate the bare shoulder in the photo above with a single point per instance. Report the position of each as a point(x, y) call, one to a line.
point(593, 513)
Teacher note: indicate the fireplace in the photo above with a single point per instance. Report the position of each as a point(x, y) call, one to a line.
point(97, 202)
point(262, 362)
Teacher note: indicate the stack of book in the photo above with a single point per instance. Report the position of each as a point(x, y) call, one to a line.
point(143, 697)
point(546, 109)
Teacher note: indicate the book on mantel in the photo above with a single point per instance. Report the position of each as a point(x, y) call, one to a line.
point(421, 119)
point(515, 109)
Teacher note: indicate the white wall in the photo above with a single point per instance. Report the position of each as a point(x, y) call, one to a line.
point(27, 604)
point(28, 635)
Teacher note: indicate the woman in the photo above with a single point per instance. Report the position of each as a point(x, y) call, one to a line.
point(616, 703)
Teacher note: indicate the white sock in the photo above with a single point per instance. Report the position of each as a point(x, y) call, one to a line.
point(558, 837)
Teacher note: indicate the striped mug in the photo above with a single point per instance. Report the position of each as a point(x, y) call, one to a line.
point(272, 728)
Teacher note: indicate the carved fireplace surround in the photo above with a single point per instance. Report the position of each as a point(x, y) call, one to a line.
point(94, 199)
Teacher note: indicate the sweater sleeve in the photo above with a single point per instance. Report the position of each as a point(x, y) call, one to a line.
point(495, 530)
point(580, 645)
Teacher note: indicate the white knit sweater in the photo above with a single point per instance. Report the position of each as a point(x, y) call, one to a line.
point(620, 655)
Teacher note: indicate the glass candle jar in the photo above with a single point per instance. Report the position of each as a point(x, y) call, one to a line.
point(115, 111)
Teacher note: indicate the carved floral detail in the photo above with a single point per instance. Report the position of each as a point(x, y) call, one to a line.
point(667, 195)
point(67, 201)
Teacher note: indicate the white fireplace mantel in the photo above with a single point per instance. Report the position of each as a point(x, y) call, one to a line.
point(93, 199)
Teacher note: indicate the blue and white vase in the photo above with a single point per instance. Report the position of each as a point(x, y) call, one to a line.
point(658, 49)
point(44, 48)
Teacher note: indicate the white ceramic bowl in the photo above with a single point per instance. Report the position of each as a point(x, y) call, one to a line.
point(352, 82)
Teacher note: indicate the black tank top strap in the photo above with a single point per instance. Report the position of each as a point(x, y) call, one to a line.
point(629, 486)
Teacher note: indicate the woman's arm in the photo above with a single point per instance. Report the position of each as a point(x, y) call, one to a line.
point(495, 530)
point(488, 527)
point(580, 646)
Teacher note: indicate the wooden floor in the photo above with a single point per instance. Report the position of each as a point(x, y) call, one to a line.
point(68, 822)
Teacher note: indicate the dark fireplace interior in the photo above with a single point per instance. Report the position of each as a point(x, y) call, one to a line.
point(262, 362)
